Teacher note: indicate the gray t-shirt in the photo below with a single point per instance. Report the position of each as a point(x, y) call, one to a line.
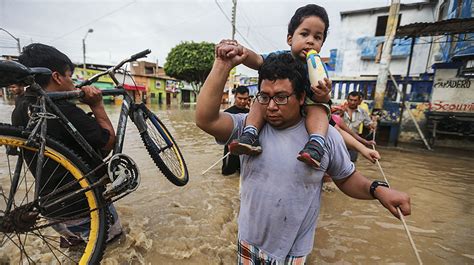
point(280, 196)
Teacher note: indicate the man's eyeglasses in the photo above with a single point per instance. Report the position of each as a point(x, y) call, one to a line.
point(279, 99)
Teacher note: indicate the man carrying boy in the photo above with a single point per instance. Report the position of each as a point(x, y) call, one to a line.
point(280, 198)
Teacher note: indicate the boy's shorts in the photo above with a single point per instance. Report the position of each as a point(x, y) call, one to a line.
point(327, 106)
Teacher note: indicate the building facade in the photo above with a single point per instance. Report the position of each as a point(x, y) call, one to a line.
point(432, 63)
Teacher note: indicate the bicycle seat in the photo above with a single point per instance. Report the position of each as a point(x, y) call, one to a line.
point(12, 72)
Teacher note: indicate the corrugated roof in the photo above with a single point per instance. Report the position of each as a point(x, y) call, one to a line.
point(385, 9)
point(450, 26)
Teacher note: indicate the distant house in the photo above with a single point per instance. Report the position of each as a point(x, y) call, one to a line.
point(160, 88)
point(363, 33)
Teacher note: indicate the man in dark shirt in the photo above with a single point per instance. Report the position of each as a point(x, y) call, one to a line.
point(231, 163)
point(97, 131)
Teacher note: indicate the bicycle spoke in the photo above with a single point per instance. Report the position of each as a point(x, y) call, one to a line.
point(27, 192)
point(23, 178)
point(69, 212)
point(9, 237)
point(23, 250)
point(9, 173)
point(171, 161)
point(9, 166)
point(24, 241)
point(26, 188)
point(168, 154)
point(164, 151)
point(3, 195)
point(62, 179)
point(25, 169)
point(50, 176)
point(55, 189)
point(51, 247)
point(5, 239)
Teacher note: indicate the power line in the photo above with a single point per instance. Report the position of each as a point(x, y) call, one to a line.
point(265, 38)
point(238, 32)
point(252, 28)
point(95, 20)
point(241, 11)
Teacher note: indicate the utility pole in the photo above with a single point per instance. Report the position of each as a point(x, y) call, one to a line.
point(234, 11)
point(232, 73)
point(390, 31)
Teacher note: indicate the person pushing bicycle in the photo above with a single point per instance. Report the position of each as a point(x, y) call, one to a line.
point(97, 128)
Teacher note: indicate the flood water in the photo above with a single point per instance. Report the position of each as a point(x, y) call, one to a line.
point(196, 224)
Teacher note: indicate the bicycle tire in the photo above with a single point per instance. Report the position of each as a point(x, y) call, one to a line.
point(85, 210)
point(167, 158)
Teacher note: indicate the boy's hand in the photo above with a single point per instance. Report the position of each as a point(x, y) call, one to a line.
point(230, 53)
point(370, 154)
point(228, 49)
point(322, 91)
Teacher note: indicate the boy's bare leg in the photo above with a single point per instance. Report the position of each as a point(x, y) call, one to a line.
point(317, 124)
point(248, 143)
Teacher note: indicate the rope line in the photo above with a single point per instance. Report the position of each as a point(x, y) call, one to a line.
point(402, 218)
point(220, 159)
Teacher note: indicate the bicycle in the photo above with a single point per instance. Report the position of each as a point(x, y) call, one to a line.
point(45, 185)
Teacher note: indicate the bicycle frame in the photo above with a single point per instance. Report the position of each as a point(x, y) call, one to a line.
point(128, 108)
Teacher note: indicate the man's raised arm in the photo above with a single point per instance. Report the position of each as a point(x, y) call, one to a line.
point(208, 116)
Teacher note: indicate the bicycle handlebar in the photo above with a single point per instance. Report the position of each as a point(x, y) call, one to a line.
point(80, 94)
point(111, 70)
point(113, 92)
point(140, 55)
point(66, 95)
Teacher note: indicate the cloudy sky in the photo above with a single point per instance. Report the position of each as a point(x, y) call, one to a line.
point(123, 27)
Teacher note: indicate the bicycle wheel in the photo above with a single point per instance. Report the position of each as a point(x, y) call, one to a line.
point(53, 228)
point(163, 149)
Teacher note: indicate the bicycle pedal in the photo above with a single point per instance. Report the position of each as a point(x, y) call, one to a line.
point(70, 242)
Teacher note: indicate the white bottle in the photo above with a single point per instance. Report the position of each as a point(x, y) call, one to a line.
point(316, 69)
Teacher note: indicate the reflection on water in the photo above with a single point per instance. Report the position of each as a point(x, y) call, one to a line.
point(196, 224)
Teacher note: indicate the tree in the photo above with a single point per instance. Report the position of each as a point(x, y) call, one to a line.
point(191, 62)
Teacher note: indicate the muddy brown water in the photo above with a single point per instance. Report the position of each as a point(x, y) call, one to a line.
point(196, 224)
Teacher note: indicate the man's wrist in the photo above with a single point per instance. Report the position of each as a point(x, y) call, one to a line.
point(96, 105)
point(376, 186)
point(223, 65)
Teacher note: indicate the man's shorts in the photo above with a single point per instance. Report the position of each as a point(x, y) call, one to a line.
point(250, 255)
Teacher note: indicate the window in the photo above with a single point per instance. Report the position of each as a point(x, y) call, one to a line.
point(467, 70)
point(382, 25)
point(149, 70)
